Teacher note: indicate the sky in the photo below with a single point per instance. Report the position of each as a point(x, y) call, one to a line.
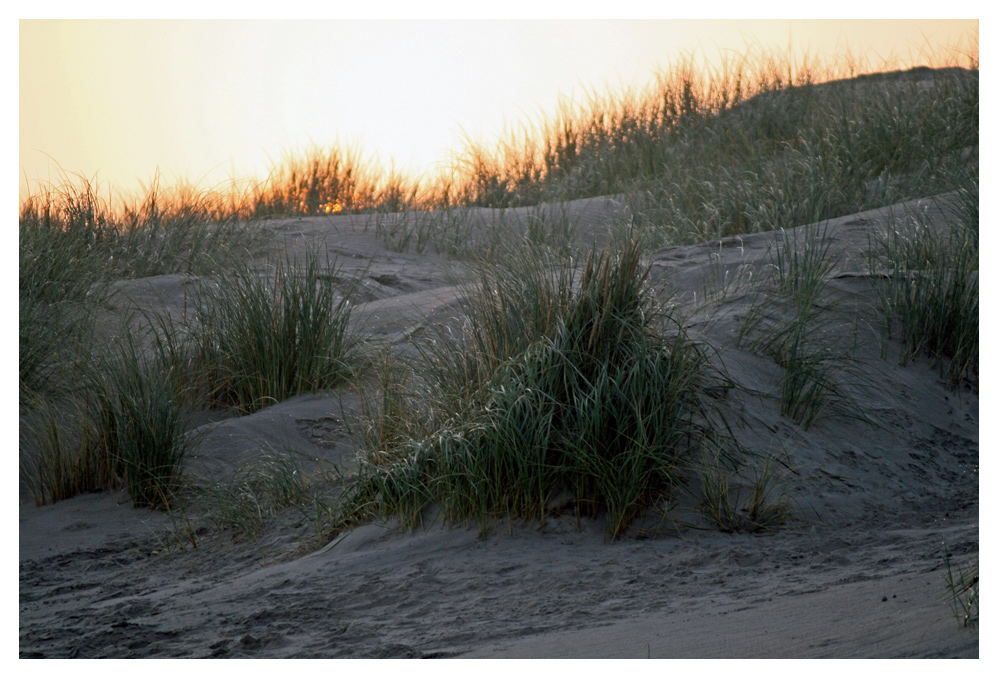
point(201, 101)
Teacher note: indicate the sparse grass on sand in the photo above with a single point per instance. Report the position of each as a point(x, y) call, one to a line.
point(743, 498)
point(267, 484)
point(754, 143)
point(255, 339)
point(73, 242)
point(793, 321)
point(927, 286)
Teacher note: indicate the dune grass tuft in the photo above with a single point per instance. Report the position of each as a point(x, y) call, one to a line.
point(125, 422)
point(263, 337)
point(566, 382)
point(390, 412)
point(53, 464)
point(137, 424)
point(126, 426)
point(332, 180)
point(54, 340)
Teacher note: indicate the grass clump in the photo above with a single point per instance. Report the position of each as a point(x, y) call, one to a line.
point(53, 465)
point(126, 427)
point(137, 423)
point(927, 288)
point(54, 340)
point(264, 337)
point(324, 181)
point(389, 413)
point(813, 373)
point(567, 383)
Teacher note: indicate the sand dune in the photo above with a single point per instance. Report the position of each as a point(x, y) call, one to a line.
point(858, 573)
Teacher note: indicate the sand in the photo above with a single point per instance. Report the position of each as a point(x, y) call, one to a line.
point(858, 572)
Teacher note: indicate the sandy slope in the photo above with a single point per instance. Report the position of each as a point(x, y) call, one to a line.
point(859, 574)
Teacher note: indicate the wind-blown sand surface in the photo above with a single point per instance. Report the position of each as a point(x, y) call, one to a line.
point(858, 573)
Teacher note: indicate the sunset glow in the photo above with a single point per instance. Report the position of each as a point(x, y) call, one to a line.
point(204, 101)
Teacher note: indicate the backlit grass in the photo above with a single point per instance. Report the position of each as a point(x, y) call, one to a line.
point(752, 142)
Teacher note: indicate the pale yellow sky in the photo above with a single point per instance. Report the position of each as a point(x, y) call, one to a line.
point(206, 100)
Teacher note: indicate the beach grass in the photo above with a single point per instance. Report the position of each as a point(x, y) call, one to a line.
point(126, 426)
point(254, 338)
point(74, 241)
point(78, 232)
point(137, 426)
point(123, 423)
point(53, 465)
point(754, 144)
point(336, 179)
point(127, 423)
point(709, 148)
